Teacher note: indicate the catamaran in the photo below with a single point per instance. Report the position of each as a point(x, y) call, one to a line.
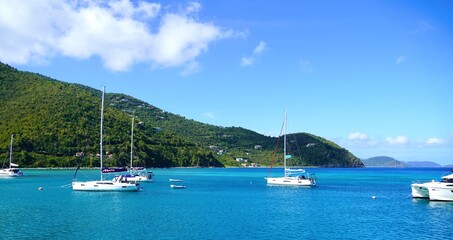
point(291, 177)
point(12, 170)
point(435, 190)
point(119, 183)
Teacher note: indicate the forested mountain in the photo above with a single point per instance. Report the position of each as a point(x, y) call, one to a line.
point(53, 120)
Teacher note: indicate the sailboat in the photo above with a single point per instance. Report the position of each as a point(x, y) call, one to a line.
point(138, 174)
point(12, 171)
point(120, 183)
point(291, 177)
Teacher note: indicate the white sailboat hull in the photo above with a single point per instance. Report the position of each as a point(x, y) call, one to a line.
point(291, 181)
point(97, 186)
point(11, 172)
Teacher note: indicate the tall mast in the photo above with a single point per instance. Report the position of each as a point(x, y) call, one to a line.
point(284, 143)
point(132, 140)
point(11, 151)
point(102, 120)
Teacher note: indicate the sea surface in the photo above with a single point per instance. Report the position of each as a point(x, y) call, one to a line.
point(229, 203)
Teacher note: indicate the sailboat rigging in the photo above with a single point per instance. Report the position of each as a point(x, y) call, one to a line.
point(291, 177)
point(139, 174)
point(12, 170)
point(119, 183)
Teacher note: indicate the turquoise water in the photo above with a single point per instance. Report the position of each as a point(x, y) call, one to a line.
point(232, 203)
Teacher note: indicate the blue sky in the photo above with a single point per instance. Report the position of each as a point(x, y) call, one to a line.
point(375, 77)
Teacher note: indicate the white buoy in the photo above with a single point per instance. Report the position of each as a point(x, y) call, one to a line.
point(40, 188)
point(373, 197)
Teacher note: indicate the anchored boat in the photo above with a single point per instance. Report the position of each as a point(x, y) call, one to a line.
point(12, 170)
point(435, 190)
point(291, 177)
point(119, 183)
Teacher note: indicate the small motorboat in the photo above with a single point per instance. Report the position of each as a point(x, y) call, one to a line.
point(178, 186)
point(175, 180)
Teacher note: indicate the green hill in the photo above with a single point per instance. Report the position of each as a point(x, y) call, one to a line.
point(53, 120)
point(382, 161)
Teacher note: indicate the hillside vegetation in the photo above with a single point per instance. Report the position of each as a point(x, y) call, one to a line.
point(53, 120)
point(382, 161)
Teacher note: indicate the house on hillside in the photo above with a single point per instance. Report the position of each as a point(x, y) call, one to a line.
point(241, 160)
point(219, 150)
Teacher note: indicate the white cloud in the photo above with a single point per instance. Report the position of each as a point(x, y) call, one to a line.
point(400, 59)
point(193, 7)
point(260, 48)
point(125, 8)
point(120, 32)
point(358, 136)
point(434, 141)
point(249, 60)
point(399, 140)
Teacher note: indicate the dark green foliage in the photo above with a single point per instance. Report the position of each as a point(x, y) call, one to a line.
point(310, 150)
point(53, 120)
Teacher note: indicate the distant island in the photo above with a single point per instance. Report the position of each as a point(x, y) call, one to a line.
point(384, 161)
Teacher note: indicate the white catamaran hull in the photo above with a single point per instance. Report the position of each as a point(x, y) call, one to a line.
point(419, 190)
point(291, 181)
point(441, 193)
point(435, 191)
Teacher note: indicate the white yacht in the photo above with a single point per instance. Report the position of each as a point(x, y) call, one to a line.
point(291, 177)
point(435, 190)
point(120, 183)
point(12, 170)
